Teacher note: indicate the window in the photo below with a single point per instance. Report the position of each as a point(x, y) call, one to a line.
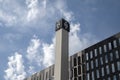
point(71, 73)
point(110, 46)
point(100, 50)
point(106, 59)
point(40, 76)
point(114, 43)
point(96, 62)
point(101, 60)
point(75, 62)
point(114, 77)
point(79, 60)
point(79, 70)
point(87, 66)
point(86, 56)
point(79, 78)
point(118, 66)
point(119, 41)
point(52, 71)
point(109, 78)
point(88, 76)
point(95, 52)
point(46, 75)
point(113, 67)
point(84, 77)
point(105, 48)
point(117, 54)
point(75, 78)
point(107, 69)
point(92, 64)
point(102, 69)
point(43, 76)
point(97, 72)
point(93, 75)
point(75, 72)
point(91, 54)
point(83, 68)
point(111, 56)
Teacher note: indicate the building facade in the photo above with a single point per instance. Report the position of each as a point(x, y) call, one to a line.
point(100, 61)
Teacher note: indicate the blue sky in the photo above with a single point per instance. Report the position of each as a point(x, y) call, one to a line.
point(27, 31)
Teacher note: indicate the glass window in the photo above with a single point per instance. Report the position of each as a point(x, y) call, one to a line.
point(113, 67)
point(101, 60)
point(75, 72)
point(117, 54)
point(110, 46)
point(106, 59)
point(86, 56)
point(87, 66)
point(114, 77)
point(79, 78)
point(109, 78)
point(102, 69)
point(92, 64)
point(75, 78)
point(46, 75)
point(114, 43)
point(71, 73)
point(91, 54)
point(105, 48)
point(79, 60)
point(107, 69)
point(79, 70)
point(93, 75)
point(100, 50)
point(119, 41)
point(75, 62)
point(111, 56)
point(88, 76)
point(95, 52)
point(118, 66)
point(96, 62)
point(97, 72)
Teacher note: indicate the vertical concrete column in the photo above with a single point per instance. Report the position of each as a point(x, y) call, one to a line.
point(61, 50)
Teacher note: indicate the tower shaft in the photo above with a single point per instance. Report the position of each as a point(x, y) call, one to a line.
point(61, 54)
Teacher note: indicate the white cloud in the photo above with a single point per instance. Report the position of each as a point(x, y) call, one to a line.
point(75, 28)
point(34, 51)
point(7, 19)
point(80, 41)
point(32, 9)
point(40, 53)
point(1, 0)
point(15, 70)
point(26, 12)
point(31, 69)
point(49, 51)
point(32, 12)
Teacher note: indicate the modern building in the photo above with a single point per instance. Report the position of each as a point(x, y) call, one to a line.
point(100, 61)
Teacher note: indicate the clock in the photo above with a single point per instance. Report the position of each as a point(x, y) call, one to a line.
point(58, 25)
point(62, 24)
point(66, 25)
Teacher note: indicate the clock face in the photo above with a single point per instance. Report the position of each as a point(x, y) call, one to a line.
point(58, 25)
point(66, 25)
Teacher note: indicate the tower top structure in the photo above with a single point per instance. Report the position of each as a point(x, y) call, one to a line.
point(62, 23)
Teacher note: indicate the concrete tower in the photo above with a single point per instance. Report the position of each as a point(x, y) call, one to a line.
point(61, 51)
